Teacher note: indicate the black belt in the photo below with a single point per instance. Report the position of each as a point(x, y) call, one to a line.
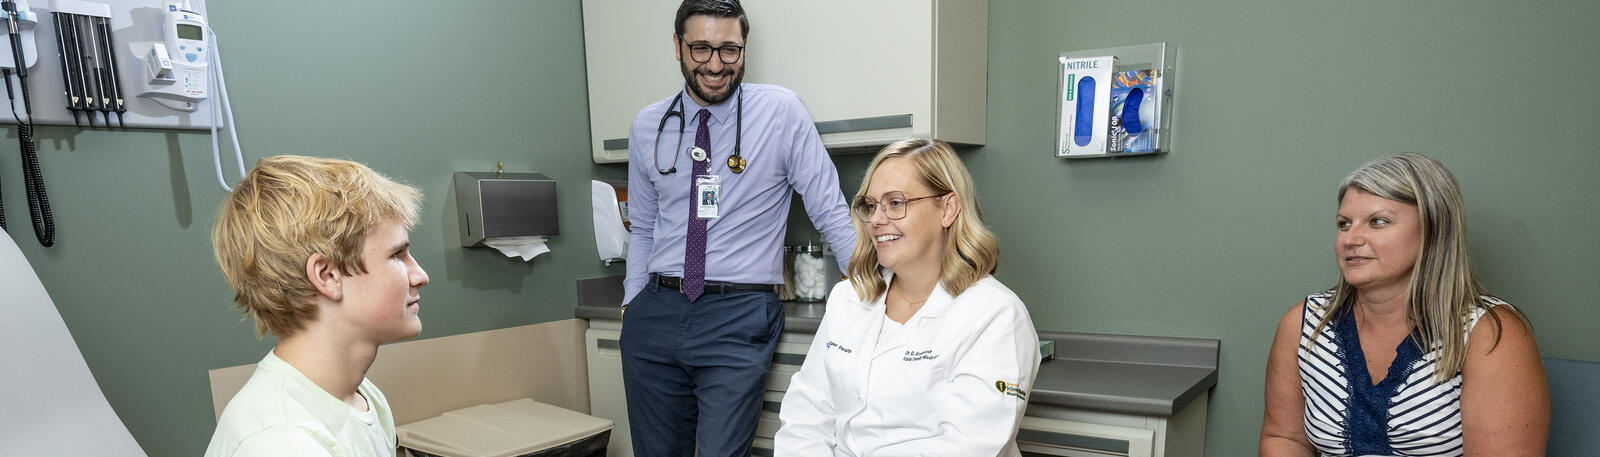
point(713, 287)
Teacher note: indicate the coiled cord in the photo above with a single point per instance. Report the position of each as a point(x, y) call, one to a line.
point(44, 225)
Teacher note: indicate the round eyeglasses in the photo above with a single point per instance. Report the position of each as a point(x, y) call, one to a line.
point(701, 52)
point(894, 205)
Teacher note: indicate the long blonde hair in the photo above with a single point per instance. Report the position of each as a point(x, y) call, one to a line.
point(970, 249)
point(1443, 292)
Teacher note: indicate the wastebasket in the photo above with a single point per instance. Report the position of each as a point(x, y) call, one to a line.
point(517, 428)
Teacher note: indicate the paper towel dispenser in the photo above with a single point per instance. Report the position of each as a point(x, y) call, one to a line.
point(499, 205)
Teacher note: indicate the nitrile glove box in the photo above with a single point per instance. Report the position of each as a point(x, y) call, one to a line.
point(1085, 105)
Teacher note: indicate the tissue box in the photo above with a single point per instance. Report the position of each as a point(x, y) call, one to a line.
point(1085, 105)
point(505, 205)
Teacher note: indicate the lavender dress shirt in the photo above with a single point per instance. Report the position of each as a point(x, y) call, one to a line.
point(783, 155)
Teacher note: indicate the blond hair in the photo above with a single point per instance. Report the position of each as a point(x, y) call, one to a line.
point(288, 208)
point(970, 249)
point(1443, 293)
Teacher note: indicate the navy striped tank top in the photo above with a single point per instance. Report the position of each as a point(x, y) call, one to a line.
point(1405, 414)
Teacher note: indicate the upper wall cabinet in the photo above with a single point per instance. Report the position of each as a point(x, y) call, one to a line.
point(870, 72)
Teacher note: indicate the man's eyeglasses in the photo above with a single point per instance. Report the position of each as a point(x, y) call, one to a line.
point(701, 52)
point(894, 205)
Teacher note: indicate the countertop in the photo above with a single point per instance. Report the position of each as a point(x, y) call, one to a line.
point(601, 298)
point(1143, 375)
point(1126, 374)
point(800, 317)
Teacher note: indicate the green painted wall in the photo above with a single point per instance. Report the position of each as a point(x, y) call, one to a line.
point(411, 92)
point(1216, 240)
point(1277, 102)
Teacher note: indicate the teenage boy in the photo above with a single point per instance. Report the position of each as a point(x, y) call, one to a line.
point(317, 253)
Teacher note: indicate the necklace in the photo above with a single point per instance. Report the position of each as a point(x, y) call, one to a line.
point(908, 300)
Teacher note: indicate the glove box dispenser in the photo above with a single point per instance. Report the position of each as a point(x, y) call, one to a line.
point(503, 205)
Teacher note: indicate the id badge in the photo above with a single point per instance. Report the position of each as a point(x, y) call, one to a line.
point(707, 196)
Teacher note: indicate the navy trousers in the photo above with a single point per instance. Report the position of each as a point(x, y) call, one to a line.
point(696, 372)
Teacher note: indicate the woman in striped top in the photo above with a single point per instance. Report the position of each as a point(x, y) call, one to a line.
point(1392, 360)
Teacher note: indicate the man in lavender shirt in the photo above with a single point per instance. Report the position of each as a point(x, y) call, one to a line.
point(695, 368)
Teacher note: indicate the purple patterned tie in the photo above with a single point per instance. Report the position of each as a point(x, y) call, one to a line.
point(694, 250)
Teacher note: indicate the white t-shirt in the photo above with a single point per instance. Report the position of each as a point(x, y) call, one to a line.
point(281, 412)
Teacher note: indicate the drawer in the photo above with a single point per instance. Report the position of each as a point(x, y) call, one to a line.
point(767, 425)
point(1055, 437)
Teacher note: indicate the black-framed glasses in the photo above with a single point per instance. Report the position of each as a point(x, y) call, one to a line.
point(894, 205)
point(701, 52)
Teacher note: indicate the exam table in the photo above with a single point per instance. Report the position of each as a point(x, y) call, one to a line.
point(49, 402)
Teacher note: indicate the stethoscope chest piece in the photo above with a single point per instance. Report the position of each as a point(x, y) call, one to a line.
point(736, 164)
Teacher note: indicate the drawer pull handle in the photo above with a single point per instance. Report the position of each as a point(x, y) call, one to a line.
point(1069, 440)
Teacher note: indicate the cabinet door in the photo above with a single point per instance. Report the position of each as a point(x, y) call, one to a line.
point(606, 397)
point(847, 59)
point(627, 47)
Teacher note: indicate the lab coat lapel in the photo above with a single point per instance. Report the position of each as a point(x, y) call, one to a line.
point(876, 326)
point(872, 327)
point(938, 303)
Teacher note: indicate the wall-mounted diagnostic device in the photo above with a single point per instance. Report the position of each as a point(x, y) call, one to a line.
point(89, 76)
point(176, 67)
point(118, 63)
point(26, 21)
point(159, 77)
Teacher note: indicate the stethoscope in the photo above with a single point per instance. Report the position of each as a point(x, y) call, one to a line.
point(736, 162)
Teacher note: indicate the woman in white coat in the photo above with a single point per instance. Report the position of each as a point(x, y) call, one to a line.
point(922, 352)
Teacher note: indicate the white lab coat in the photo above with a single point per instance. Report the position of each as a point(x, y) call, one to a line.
point(929, 390)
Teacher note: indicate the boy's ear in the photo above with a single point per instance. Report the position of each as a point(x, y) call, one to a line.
point(325, 277)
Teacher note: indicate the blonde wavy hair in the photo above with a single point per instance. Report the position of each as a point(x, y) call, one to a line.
point(970, 249)
point(1443, 292)
point(288, 208)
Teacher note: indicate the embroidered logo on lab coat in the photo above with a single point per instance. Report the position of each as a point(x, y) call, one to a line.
point(925, 354)
point(1010, 389)
point(832, 345)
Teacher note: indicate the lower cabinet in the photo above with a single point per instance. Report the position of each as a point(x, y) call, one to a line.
point(1046, 430)
point(607, 400)
point(1055, 431)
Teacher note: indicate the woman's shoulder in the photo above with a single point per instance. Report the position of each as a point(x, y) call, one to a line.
point(991, 293)
point(844, 294)
point(1319, 299)
point(1504, 312)
point(1490, 301)
point(988, 286)
point(1316, 302)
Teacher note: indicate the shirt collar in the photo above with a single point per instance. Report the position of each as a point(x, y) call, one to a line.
point(720, 112)
point(331, 412)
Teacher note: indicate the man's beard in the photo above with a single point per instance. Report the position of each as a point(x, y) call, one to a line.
point(700, 92)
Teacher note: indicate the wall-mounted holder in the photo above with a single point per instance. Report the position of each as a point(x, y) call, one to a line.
point(504, 205)
point(1119, 111)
